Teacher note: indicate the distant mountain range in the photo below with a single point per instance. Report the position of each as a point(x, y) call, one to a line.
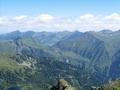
point(35, 60)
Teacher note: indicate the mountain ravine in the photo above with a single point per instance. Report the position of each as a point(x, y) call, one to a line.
point(37, 60)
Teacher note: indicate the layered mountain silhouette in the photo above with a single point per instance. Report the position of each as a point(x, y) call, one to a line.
point(34, 60)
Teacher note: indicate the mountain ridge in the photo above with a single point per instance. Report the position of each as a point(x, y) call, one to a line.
point(86, 59)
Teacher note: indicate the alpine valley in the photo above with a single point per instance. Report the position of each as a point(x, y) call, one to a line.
point(36, 60)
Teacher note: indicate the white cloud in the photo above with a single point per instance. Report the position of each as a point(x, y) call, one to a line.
point(48, 22)
point(4, 21)
point(45, 18)
point(22, 17)
point(114, 16)
point(87, 16)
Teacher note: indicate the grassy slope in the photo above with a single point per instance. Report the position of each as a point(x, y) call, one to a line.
point(7, 50)
point(113, 84)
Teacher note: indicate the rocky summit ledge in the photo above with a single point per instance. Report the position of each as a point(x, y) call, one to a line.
point(62, 85)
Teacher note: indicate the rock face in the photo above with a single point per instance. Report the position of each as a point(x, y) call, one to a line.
point(62, 85)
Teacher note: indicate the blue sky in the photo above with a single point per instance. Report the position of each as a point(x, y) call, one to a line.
point(63, 8)
point(59, 15)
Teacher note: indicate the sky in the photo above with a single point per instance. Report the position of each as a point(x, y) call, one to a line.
point(59, 15)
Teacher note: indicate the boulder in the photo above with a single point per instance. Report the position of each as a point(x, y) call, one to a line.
point(62, 85)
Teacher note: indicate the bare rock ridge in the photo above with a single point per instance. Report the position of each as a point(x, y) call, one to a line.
point(62, 85)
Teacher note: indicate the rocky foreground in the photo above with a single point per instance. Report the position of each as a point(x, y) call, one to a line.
point(62, 85)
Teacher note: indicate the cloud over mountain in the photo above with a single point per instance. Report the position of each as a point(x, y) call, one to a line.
point(48, 22)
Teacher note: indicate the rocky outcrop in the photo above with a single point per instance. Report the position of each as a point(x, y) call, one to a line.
point(62, 85)
point(97, 88)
